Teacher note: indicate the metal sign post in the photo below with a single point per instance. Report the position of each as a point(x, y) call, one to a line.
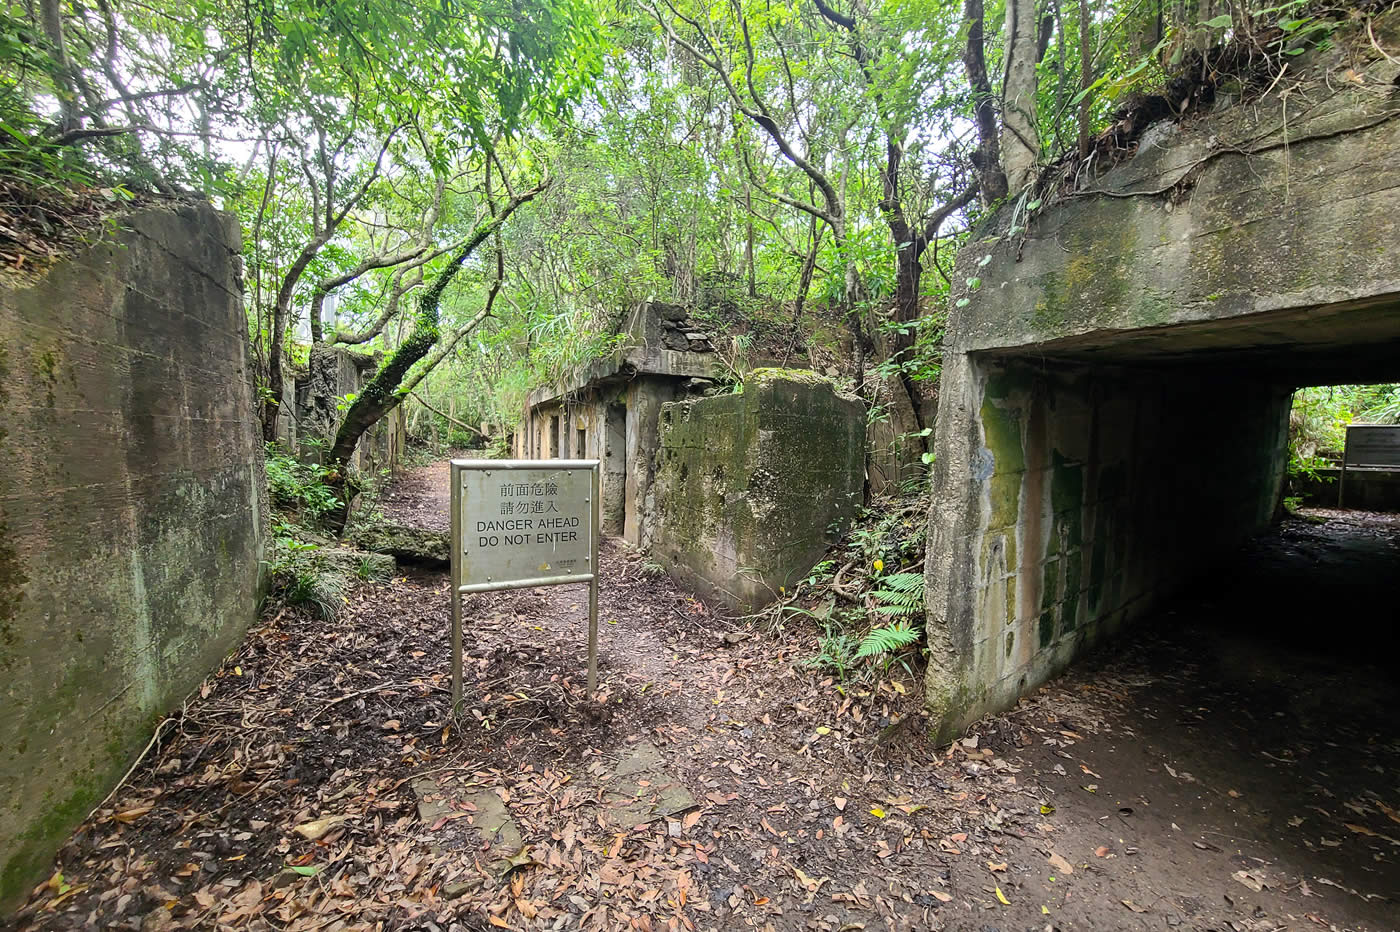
point(517, 524)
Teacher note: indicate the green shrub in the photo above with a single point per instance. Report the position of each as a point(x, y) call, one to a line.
point(303, 578)
point(298, 489)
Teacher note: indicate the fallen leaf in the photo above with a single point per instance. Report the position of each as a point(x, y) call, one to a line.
point(318, 828)
point(840, 803)
point(1134, 907)
point(994, 867)
point(877, 812)
point(131, 815)
point(1233, 794)
point(1060, 864)
point(1255, 882)
point(521, 859)
point(1002, 897)
point(812, 884)
point(1101, 851)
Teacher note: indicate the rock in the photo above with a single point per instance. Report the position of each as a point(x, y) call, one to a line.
point(456, 888)
point(362, 564)
point(669, 311)
point(698, 336)
point(406, 544)
point(675, 340)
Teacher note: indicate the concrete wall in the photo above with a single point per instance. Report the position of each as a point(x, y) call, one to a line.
point(594, 424)
point(1366, 489)
point(131, 510)
point(1112, 407)
point(1094, 492)
point(310, 409)
point(751, 489)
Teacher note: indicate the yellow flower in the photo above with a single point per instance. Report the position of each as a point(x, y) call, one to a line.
point(879, 565)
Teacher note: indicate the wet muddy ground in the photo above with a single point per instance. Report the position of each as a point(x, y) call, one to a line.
point(1230, 765)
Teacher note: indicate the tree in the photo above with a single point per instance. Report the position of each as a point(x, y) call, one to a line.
point(877, 48)
point(727, 47)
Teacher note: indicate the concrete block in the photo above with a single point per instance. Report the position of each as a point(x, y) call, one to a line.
point(752, 488)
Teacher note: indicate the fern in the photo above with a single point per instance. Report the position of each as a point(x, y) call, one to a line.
point(901, 595)
point(887, 639)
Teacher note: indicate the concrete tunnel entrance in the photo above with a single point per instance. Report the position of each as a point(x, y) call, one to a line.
point(1117, 369)
point(1104, 475)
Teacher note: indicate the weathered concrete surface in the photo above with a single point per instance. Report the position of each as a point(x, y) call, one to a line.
point(418, 546)
point(1114, 397)
point(312, 406)
point(608, 410)
point(1366, 489)
point(751, 487)
point(131, 510)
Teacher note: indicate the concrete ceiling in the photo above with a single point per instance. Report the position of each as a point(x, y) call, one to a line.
point(1329, 345)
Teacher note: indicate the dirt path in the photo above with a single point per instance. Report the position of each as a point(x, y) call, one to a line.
point(723, 785)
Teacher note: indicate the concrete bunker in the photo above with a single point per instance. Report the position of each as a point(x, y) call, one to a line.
point(609, 411)
point(132, 509)
point(753, 487)
point(1086, 466)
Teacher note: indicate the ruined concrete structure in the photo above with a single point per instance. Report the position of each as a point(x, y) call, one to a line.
point(737, 493)
point(132, 510)
point(1116, 381)
point(609, 411)
point(311, 409)
point(752, 488)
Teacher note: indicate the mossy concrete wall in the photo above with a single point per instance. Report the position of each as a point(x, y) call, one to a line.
point(1095, 492)
point(752, 488)
point(1113, 402)
point(312, 408)
point(131, 510)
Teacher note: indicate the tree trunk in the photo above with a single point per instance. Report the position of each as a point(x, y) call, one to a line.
point(991, 178)
point(748, 241)
point(387, 390)
point(272, 400)
point(1020, 145)
point(51, 17)
point(1086, 76)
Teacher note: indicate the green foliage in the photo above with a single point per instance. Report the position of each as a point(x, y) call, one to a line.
point(836, 653)
point(887, 639)
point(302, 577)
point(1320, 416)
point(367, 569)
point(900, 594)
point(297, 488)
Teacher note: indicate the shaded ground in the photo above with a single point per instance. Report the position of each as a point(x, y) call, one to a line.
point(720, 784)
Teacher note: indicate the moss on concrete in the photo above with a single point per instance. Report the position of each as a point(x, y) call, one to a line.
point(751, 487)
point(131, 531)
